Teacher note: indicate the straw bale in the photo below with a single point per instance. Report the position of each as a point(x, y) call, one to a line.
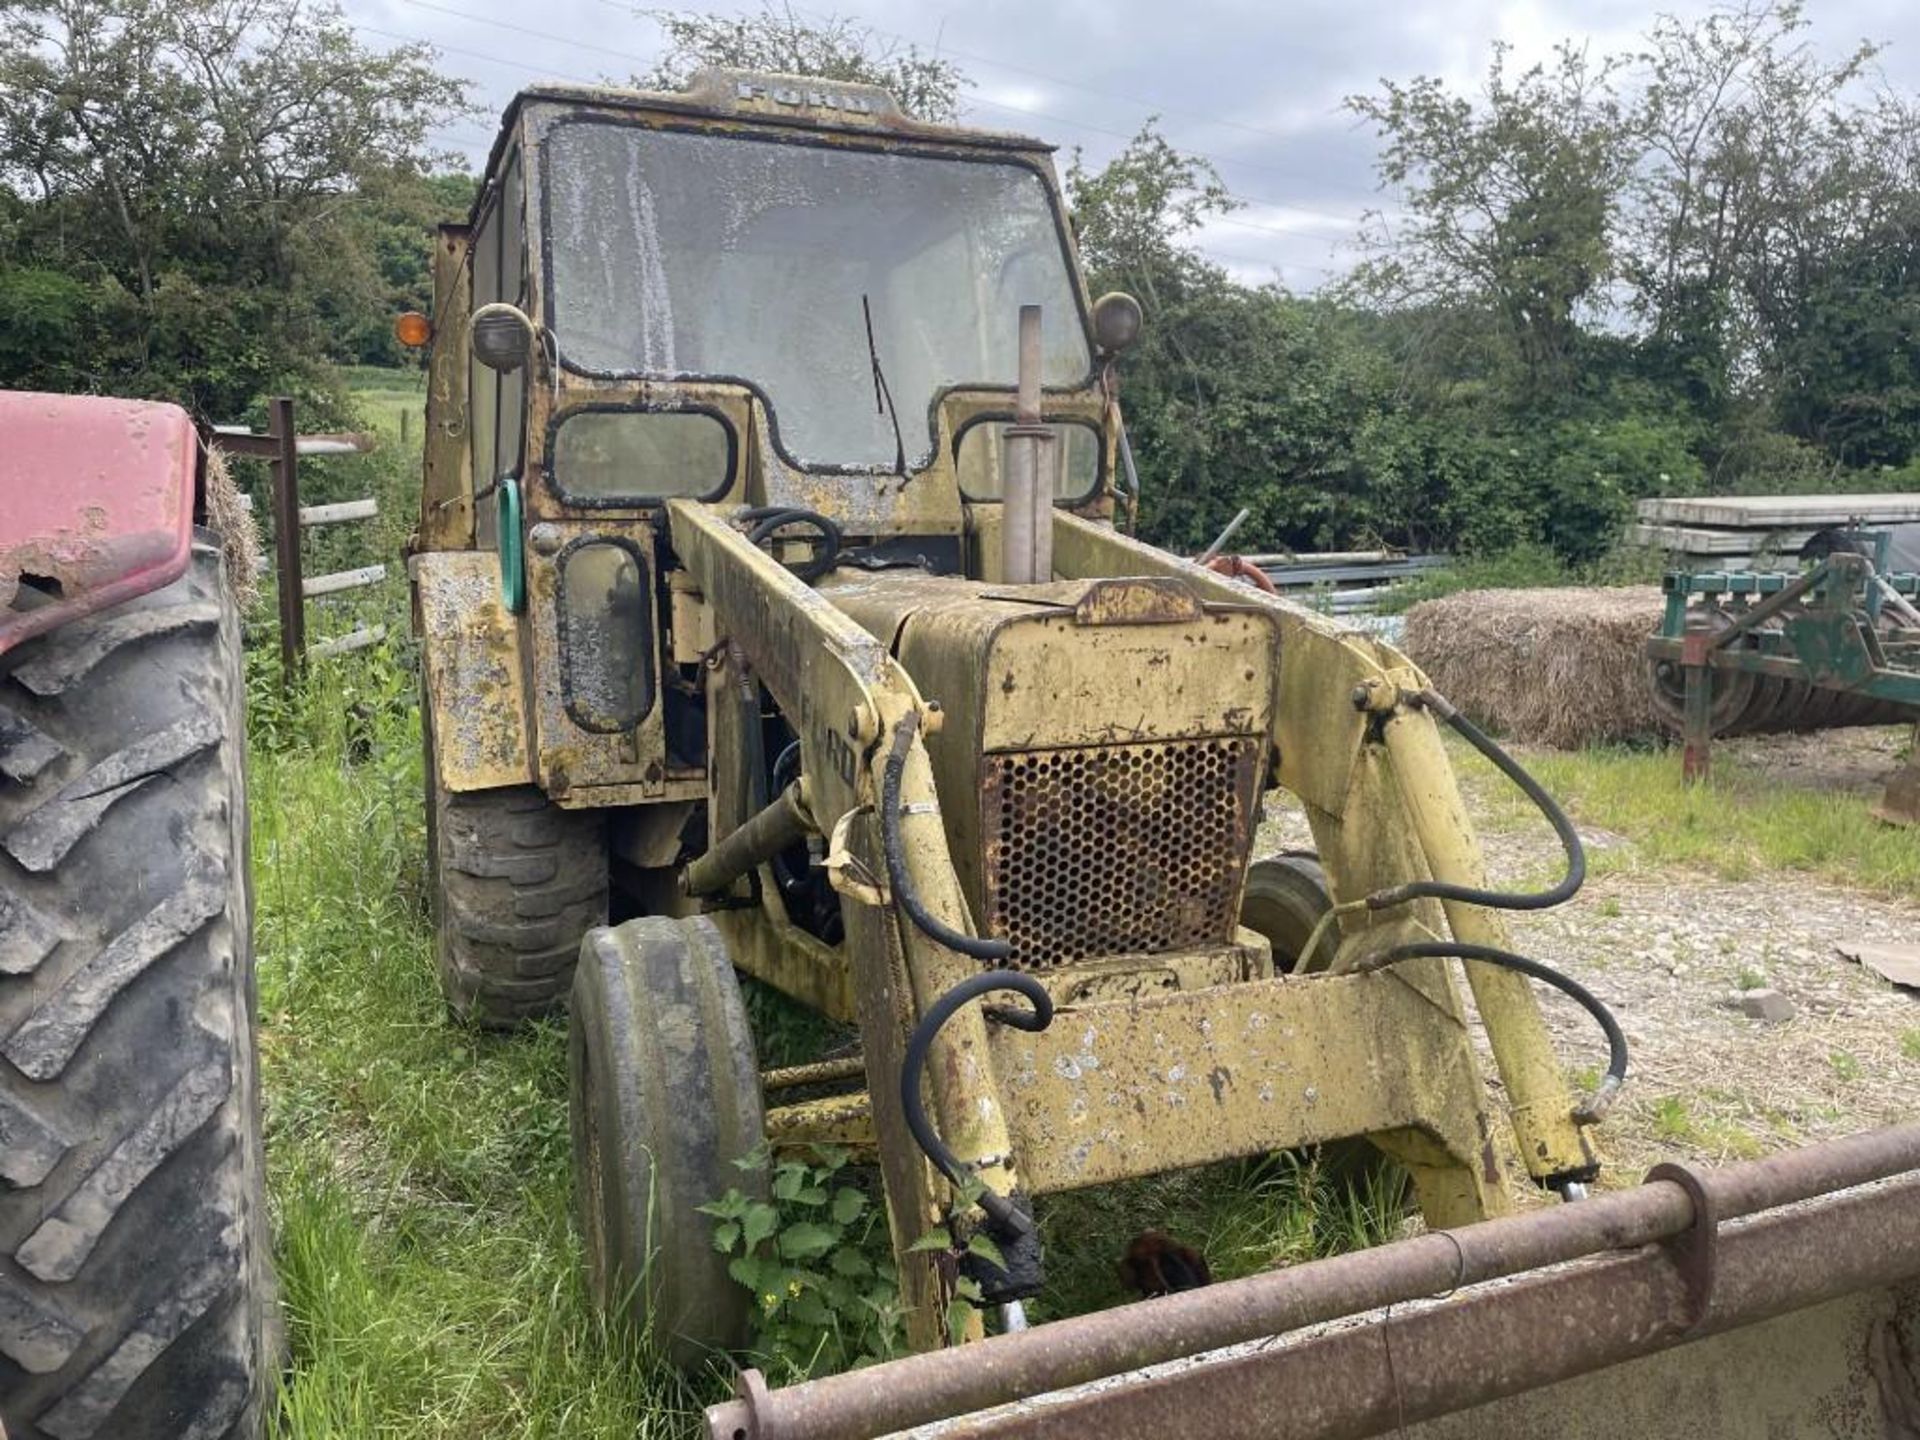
point(239, 534)
point(1560, 667)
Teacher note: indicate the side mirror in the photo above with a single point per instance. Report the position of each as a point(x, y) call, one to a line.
point(1116, 322)
point(501, 336)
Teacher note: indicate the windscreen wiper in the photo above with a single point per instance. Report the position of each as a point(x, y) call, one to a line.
point(883, 397)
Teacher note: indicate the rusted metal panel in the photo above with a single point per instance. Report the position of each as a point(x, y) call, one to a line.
point(1811, 1331)
point(1092, 713)
point(1137, 601)
point(1160, 833)
point(841, 1120)
point(1117, 1090)
point(1412, 804)
point(96, 505)
point(470, 647)
point(569, 757)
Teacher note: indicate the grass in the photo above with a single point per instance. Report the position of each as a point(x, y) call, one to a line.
point(1740, 824)
point(1675, 1123)
point(431, 1277)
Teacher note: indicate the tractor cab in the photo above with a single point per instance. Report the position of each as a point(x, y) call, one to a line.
point(771, 295)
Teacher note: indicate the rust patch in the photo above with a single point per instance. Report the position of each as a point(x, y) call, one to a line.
point(1163, 601)
point(471, 647)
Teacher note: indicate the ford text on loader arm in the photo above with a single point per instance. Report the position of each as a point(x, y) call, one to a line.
point(773, 606)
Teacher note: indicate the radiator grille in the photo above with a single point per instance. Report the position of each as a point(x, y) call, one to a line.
point(1117, 850)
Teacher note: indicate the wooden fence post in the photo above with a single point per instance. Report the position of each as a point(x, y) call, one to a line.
point(286, 537)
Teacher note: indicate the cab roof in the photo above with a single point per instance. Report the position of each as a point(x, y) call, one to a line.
point(800, 102)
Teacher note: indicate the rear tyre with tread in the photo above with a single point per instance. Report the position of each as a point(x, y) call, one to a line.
point(515, 881)
point(136, 1298)
point(663, 1097)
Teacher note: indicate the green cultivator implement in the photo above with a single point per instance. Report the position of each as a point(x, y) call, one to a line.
point(1835, 644)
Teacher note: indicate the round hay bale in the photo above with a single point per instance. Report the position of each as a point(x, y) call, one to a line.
point(1561, 667)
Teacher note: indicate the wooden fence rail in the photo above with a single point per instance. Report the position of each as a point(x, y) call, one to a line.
point(281, 447)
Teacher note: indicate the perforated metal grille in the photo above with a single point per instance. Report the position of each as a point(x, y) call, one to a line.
point(1116, 850)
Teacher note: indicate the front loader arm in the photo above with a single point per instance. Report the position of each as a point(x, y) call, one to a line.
point(1385, 809)
point(844, 694)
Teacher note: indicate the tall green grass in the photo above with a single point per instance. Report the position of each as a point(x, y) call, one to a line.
point(433, 1284)
point(1742, 824)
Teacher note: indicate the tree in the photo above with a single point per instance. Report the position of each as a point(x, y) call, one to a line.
point(835, 48)
point(1508, 204)
point(191, 169)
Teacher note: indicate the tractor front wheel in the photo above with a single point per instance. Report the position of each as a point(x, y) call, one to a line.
point(664, 1097)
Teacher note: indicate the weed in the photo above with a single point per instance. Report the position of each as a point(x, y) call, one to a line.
point(1846, 1065)
point(1910, 1044)
point(1608, 909)
point(816, 1261)
point(1671, 1120)
point(1749, 979)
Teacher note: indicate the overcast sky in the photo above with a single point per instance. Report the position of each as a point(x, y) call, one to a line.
point(1256, 87)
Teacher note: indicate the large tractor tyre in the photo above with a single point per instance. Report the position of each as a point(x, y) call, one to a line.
point(663, 1097)
point(136, 1298)
point(514, 881)
point(1286, 898)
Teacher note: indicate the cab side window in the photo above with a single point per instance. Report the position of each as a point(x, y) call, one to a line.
point(497, 411)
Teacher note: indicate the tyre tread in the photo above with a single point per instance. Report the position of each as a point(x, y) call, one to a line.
point(135, 1296)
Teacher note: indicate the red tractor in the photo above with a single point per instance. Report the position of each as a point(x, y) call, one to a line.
point(135, 1291)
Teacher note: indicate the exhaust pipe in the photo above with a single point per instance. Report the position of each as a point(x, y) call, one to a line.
point(1026, 525)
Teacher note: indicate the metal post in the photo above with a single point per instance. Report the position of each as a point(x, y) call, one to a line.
point(1027, 498)
point(286, 536)
point(1696, 672)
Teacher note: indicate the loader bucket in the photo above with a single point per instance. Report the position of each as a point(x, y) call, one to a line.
point(1778, 1297)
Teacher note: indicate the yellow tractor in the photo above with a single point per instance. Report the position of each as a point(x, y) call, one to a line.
point(772, 604)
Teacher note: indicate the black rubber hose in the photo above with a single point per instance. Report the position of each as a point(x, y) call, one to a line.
point(771, 518)
point(787, 758)
point(1006, 1215)
point(1556, 817)
point(894, 844)
point(1616, 1075)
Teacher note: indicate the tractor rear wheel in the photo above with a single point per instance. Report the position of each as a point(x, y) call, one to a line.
point(136, 1299)
point(663, 1097)
point(1286, 898)
point(514, 881)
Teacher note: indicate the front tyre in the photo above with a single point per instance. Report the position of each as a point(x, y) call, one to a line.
point(664, 1097)
point(136, 1299)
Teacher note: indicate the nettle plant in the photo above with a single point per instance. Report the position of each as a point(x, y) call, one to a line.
point(818, 1263)
point(827, 1296)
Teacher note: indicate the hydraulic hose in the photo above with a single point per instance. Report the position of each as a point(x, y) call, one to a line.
point(894, 844)
point(768, 519)
point(1602, 1098)
point(1005, 1214)
point(1556, 817)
